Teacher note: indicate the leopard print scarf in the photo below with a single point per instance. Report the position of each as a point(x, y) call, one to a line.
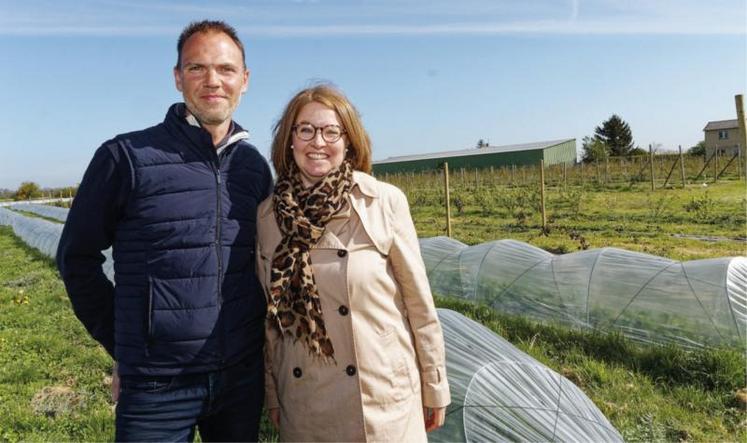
point(302, 214)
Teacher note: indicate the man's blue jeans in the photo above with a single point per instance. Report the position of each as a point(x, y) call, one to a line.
point(223, 405)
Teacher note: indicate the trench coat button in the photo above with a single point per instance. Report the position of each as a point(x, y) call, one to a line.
point(342, 253)
point(297, 372)
point(343, 310)
point(350, 370)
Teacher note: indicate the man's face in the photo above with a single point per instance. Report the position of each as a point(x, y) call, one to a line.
point(212, 77)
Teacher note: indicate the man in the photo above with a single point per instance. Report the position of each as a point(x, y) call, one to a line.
point(177, 201)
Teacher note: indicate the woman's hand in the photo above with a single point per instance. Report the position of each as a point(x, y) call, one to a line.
point(434, 418)
point(274, 415)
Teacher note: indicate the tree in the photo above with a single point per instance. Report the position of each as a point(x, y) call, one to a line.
point(594, 149)
point(616, 135)
point(27, 191)
point(698, 149)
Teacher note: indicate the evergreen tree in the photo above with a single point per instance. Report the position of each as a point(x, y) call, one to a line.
point(699, 149)
point(616, 135)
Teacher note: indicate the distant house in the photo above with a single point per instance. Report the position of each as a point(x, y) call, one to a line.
point(552, 152)
point(722, 135)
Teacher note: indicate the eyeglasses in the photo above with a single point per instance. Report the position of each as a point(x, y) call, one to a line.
point(307, 132)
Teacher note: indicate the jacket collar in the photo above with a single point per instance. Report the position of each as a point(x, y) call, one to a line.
point(179, 120)
point(365, 184)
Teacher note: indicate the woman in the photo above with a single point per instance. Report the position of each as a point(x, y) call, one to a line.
point(354, 348)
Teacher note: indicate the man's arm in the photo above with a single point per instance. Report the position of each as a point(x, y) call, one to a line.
point(89, 229)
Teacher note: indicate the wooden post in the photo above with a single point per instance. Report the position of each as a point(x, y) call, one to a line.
point(542, 196)
point(596, 165)
point(582, 174)
point(513, 172)
point(706, 162)
point(733, 157)
point(448, 198)
point(651, 161)
point(477, 180)
point(565, 175)
point(741, 123)
point(739, 162)
point(682, 167)
point(606, 169)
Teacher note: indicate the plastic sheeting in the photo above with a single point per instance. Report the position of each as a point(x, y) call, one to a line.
point(43, 235)
point(54, 212)
point(500, 393)
point(645, 297)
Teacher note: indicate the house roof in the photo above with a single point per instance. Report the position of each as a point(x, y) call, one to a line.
point(475, 151)
point(721, 124)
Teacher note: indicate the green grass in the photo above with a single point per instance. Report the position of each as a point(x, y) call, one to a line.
point(53, 376)
point(681, 224)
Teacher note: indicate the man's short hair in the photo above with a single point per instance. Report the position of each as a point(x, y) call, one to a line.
point(206, 26)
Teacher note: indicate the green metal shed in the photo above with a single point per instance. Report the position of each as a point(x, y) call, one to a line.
point(552, 152)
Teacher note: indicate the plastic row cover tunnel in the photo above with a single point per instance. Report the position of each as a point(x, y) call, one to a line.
point(57, 213)
point(645, 297)
point(502, 394)
point(43, 235)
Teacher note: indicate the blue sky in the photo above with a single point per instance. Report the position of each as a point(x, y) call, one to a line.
point(425, 75)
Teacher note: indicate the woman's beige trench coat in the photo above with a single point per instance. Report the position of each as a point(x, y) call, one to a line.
point(380, 316)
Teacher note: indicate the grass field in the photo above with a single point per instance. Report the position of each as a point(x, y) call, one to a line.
point(683, 224)
point(54, 383)
point(53, 376)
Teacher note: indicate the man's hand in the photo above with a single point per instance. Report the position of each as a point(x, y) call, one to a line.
point(434, 418)
point(274, 415)
point(115, 383)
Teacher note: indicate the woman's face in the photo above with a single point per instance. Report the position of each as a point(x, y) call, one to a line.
point(317, 156)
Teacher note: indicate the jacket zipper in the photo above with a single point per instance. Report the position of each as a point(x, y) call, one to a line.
point(218, 243)
point(149, 319)
point(219, 246)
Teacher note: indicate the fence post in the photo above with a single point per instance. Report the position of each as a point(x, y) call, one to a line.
point(606, 169)
point(565, 175)
point(682, 167)
point(651, 161)
point(542, 196)
point(716, 165)
point(448, 199)
point(477, 180)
